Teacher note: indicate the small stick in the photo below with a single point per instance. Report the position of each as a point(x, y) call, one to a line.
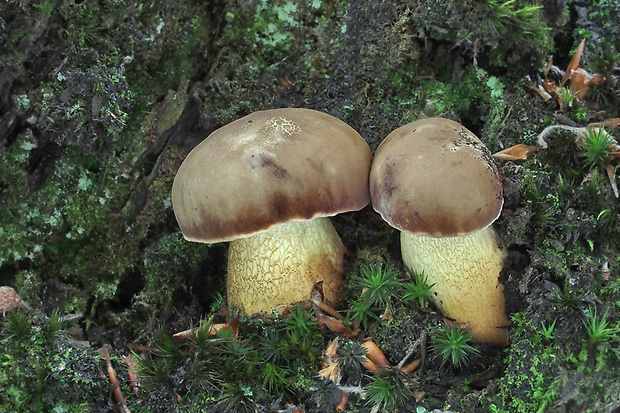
point(412, 348)
point(104, 354)
point(134, 380)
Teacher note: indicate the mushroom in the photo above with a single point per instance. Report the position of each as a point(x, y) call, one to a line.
point(10, 300)
point(436, 182)
point(268, 183)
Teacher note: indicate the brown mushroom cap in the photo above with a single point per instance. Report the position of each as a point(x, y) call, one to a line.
point(435, 177)
point(267, 168)
point(10, 300)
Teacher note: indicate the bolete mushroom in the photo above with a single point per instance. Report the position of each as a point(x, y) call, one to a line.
point(267, 182)
point(436, 182)
point(10, 300)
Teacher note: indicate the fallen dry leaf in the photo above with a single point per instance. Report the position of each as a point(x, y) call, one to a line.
point(214, 328)
point(411, 366)
point(574, 63)
point(611, 174)
point(344, 398)
point(551, 87)
point(580, 81)
point(612, 123)
point(519, 152)
point(334, 325)
point(374, 353)
point(542, 92)
point(331, 372)
point(119, 399)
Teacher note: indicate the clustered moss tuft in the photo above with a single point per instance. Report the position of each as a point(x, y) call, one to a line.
point(44, 369)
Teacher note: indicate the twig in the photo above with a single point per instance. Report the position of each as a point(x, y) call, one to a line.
point(412, 348)
point(119, 400)
point(547, 131)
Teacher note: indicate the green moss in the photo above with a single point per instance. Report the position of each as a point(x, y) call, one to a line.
point(500, 32)
point(477, 99)
point(38, 229)
point(232, 373)
point(530, 369)
point(44, 370)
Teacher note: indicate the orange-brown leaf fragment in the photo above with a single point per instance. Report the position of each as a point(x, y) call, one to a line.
point(581, 79)
point(132, 372)
point(375, 354)
point(612, 123)
point(342, 404)
point(119, 399)
point(331, 373)
point(542, 93)
point(334, 325)
point(519, 152)
point(411, 366)
point(369, 365)
point(330, 352)
point(551, 87)
point(548, 66)
point(574, 63)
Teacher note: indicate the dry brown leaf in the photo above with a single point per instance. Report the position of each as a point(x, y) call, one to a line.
point(342, 404)
point(551, 87)
point(612, 123)
point(579, 82)
point(411, 366)
point(330, 352)
point(119, 399)
point(542, 93)
point(574, 63)
point(214, 328)
point(369, 365)
point(316, 295)
point(387, 314)
point(131, 362)
point(519, 152)
point(331, 372)
point(375, 354)
point(581, 79)
point(611, 174)
point(331, 369)
point(328, 309)
point(286, 82)
point(334, 325)
point(548, 66)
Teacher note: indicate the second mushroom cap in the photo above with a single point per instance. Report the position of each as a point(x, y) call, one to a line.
point(435, 177)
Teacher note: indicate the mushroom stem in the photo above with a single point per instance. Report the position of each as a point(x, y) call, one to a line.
point(465, 270)
point(280, 266)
